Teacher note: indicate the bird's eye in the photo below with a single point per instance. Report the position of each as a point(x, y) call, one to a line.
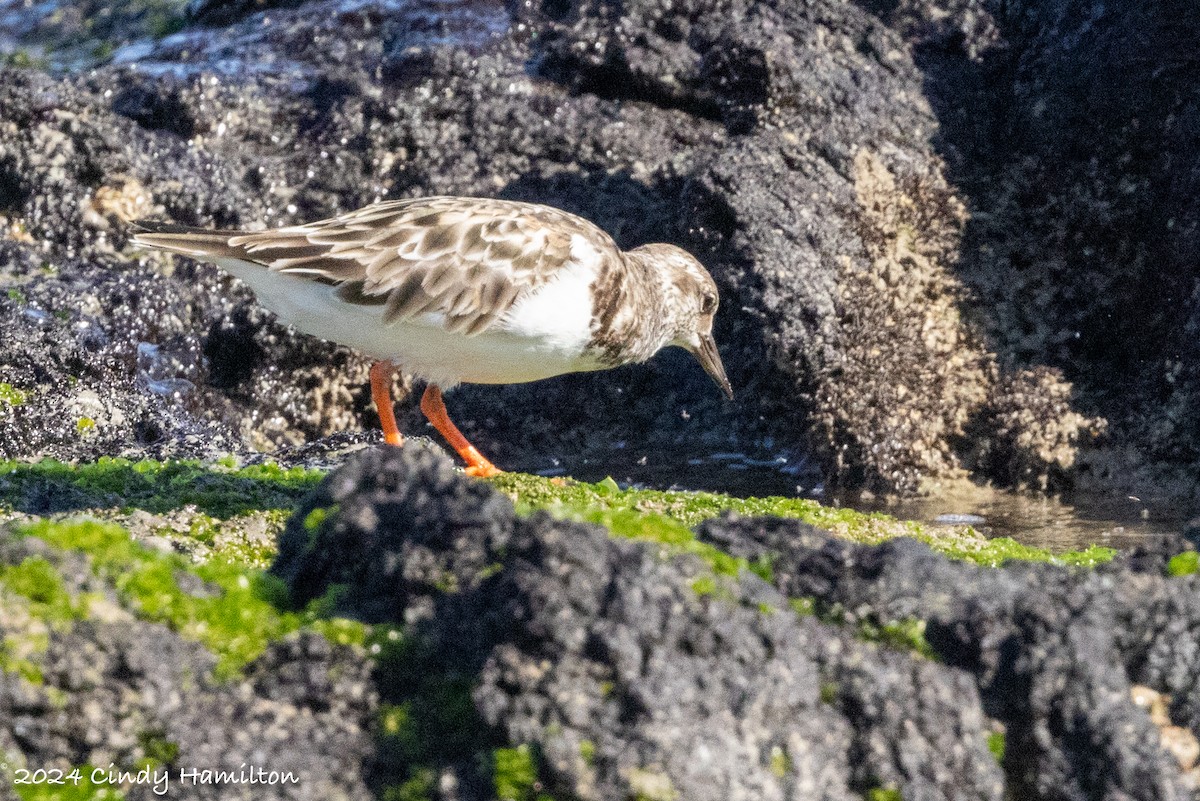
point(709, 304)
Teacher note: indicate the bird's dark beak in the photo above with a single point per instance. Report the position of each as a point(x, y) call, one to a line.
point(710, 360)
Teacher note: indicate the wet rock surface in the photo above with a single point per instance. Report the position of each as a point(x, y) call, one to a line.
point(1065, 133)
point(821, 159)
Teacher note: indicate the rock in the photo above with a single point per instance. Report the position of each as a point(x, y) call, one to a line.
point(1064, 127)
point(528, 654)
point(681, 125)
point(114, 690)
point(1054, 653)
point(832, 164)
point(86, 379)
point(836, 302)
point(1029, 432)
point(386, 529)
point(602, 659)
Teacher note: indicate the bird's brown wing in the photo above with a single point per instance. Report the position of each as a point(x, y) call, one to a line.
point(467, 259)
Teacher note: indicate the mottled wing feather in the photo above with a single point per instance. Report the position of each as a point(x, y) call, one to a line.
point(469, 259)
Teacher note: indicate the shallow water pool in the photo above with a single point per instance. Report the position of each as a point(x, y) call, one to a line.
point(1060, 523)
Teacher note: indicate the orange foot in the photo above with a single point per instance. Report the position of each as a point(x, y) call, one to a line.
point(435, 409)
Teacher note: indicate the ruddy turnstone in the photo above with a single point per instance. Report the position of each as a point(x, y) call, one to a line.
point(473, 290)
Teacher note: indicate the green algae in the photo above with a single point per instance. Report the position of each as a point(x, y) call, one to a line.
point(34, 592)
point(1184, 564)
point(421, 786)
point(235, 619)
point(667, 517)
point(27, 669)
point(780, 765)
point(246, 540)
point(38, 581)
point(223, 491)
point(907, 634)
point(11, 396)
point(216, 490)
point(316, 518)
point(997, 743)
point(904, 634)
point(884, 794)
point(157, 750)
point(23, 60)
point(76, 785)
point(514, 773)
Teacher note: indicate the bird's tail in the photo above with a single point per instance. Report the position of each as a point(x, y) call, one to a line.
point(197, 242)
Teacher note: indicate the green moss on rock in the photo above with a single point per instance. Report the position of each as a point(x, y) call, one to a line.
point(997, 743)
point(11, 396)
point(235, 621)
point(419, 787)
point(781, 765)
point(884, 794)
point(73, 784)
point(667, 517)
point(907, 634)
point(157, 749)
point(514, 773)
point(218, 491)
point(1184, 564)
point(40, 583)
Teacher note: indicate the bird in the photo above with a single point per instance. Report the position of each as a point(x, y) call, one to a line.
point(466, 290)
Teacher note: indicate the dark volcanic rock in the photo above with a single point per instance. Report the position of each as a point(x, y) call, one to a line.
point(603, 659)
point(834, 164)
point(1071, 130)
point(393, 512)
point(1054, 652)
point(98, 361)
point(116, 690)
point(788, 146)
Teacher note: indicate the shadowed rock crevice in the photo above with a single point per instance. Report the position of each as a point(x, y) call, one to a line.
point(1070, 132)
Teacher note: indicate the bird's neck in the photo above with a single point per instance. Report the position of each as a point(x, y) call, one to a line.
point(631, 317)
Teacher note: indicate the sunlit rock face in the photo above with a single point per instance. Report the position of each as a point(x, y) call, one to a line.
point(825, 161)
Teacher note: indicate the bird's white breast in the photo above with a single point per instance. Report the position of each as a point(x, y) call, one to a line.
point(560, 311)
point(544, 334)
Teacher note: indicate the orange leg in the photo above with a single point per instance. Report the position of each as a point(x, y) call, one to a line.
point(435, 409)
point(381, 393)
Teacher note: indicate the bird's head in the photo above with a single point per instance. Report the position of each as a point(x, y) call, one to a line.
point(693, 301)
